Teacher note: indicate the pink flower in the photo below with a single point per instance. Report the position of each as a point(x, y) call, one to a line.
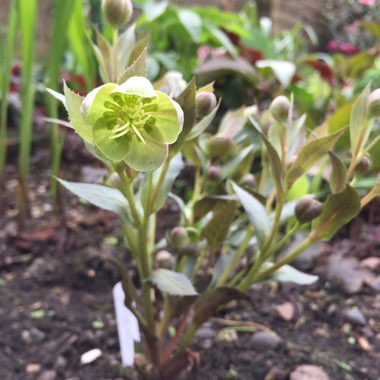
point(347, 48)
point(333, 45)
point(370, 3)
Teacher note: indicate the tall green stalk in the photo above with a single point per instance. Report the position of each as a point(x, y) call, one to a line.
point(6, 57)
point(28, 21)
point(61, 17)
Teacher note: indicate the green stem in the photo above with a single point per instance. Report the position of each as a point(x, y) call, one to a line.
point(285, 260)
point(164, 171)
point(115, 45)
point(190, 331)
point(235, 258)
point(285, 239)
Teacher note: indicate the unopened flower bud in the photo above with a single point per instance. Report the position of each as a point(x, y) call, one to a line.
point(220, 146)
point(117, 12)
point(279, 108)
point(213, 173)
point(205, 103)
point(249, 181)
point(373, 104)
point(364, 166)
point(164, 259)
point(178, 236)
point(307, 209)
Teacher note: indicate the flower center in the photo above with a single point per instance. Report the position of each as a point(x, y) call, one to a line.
point(128, 115)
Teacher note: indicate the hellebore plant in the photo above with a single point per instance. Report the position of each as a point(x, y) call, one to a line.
point(243, 210)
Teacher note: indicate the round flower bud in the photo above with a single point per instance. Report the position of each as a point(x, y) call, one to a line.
point(364, 166)
point(373, 104)
point(205, 102)
point(164, 259)
point(220, 146)
point(117, 12)
point(307, 209)
point(213, 173)
point(178, 236)
point(279, 108)
point(249, 181)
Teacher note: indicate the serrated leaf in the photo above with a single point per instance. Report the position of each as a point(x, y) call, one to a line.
point(126, 42)
point(338, 210)
point(187, 102)
point(309, 155)
point(273, 157)
point(210, 300)
point(174, 283)
point(216, 229)
point(137, 68)
point(287, 273)
point(73, 104)
point(104, 197)
point(256, 214)
point(338, 174)
point(138, 48)
point(360, 126)
point(58, 96)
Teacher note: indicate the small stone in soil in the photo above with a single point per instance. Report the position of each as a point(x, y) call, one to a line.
point(308, 372)
point(48, 375)
point(265, 341)
point(33, 367)
point(356, 317)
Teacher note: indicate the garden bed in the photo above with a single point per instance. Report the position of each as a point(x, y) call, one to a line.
point(56, 297)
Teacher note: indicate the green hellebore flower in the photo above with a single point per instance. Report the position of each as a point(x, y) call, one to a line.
point(130, 122)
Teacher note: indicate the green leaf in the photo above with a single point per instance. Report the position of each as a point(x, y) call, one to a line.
point(309, 155)
point(340, 118)
point(299, 189)
point(126, 44)
point(288, 273)
point(273, 157)
point(338, 210)
point(373, 27)
point(139, 47)
point(104, 197)
point(283, 70)
point(256, 213)
point(191, 22)
point(217, 228)
point(187, 102)
point(138, 68)
point(211, 300)
point(174, 283)
point(221, 37)
point(153, 9)
point(228, 169)
point(73, 103)
point(338, 174)
point(360, 126)
point(222, 66)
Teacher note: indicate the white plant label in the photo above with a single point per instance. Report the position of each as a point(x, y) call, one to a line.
point(127, 327)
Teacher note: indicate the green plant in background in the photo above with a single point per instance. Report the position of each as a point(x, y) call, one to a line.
point(28, 21)
point(6, 57)
point(245, 206)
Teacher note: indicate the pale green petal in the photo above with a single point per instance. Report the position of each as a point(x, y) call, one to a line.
point(136, 86)
point(73, 105)
point(93, 104)
point(146, 157)
point(169, 120)
point(113, 149)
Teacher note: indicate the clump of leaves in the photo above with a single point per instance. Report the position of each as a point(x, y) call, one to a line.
point(246, 204)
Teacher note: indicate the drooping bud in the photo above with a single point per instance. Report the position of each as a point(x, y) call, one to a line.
point(178, 236)
point(279, 108)
point(117, 12)
point(364, 166)
point(164, 259)
point(220, 146)
point(307, 209)
point(213, 173)
point(249, 181)
point(205, 103)
point(373, 104)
